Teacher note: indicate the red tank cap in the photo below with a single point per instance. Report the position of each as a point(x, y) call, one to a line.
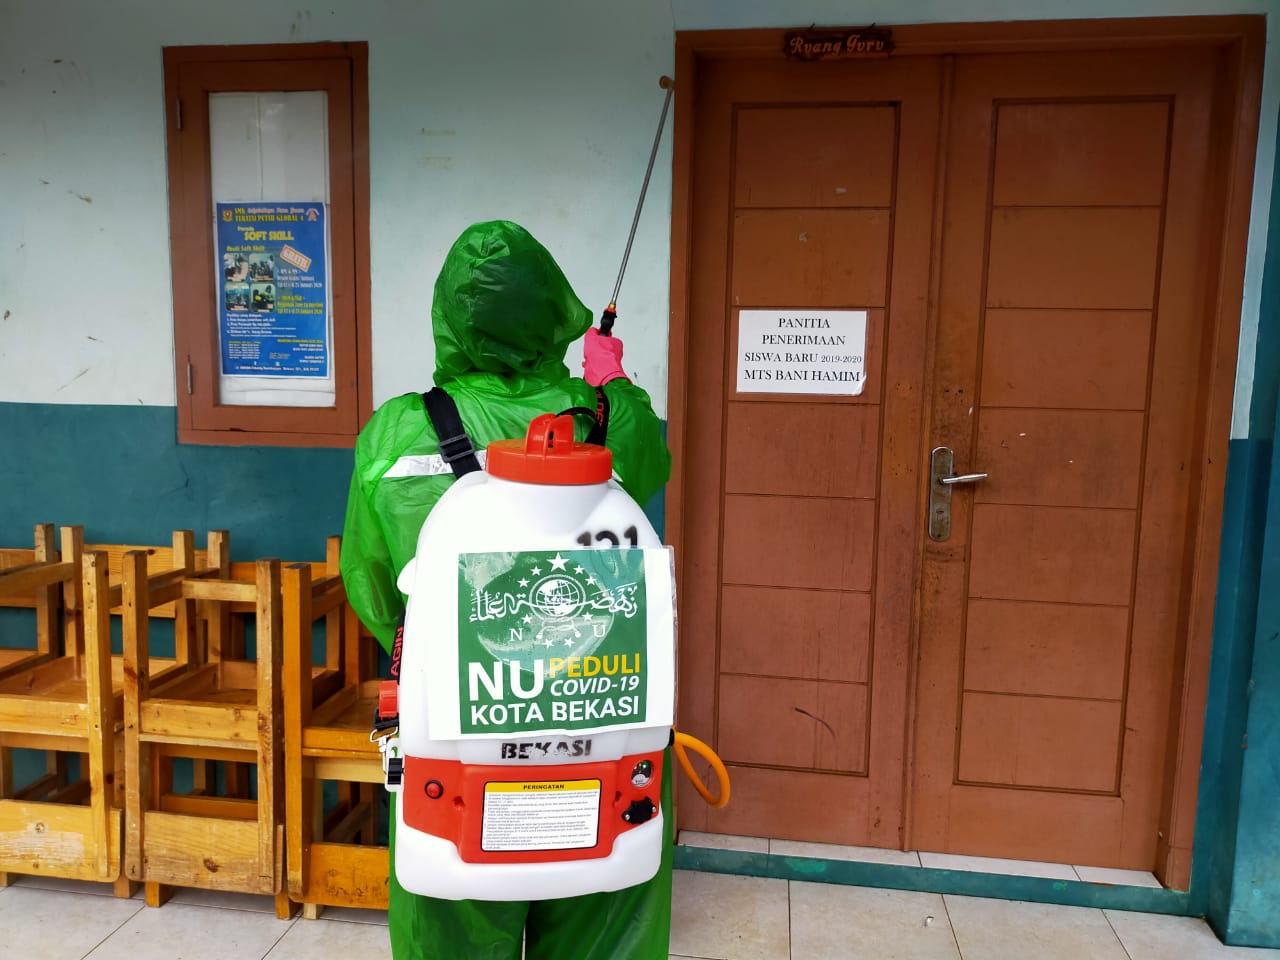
point(549, 454)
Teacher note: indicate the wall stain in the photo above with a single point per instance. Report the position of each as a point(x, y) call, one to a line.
point(73, 379)
point(300, 24)
point(817, 718)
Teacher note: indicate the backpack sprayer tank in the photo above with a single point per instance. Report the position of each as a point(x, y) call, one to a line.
point(536, 681)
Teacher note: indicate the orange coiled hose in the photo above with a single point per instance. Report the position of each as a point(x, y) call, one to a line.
point(683, 741)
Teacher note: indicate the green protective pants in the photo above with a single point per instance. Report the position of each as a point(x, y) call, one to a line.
point(629, 924)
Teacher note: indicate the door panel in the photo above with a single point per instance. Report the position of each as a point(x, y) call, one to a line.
point(841, 463)
point(814, 191)
point(1073, 458)
point(1046, 649)
point(824, 157)
point(813, 542)
point(815, 257)
point(806, 634)
point(822, 727)
point(1051, 257)
point(1067, 367)
point(1086, 154)
point(1033, 358)
point(1039, 742)
point(1058, 554)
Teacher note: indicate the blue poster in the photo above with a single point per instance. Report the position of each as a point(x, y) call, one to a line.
point(273, 319)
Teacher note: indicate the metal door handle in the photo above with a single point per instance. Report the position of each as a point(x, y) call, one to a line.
point(963, 478)
point(941, 480)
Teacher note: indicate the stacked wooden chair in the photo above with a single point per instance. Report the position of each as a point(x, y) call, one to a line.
point(33, 579)
point(260, 735)
point(221, 708)
point(334, 855)
point(71, 702)
point(22, 644)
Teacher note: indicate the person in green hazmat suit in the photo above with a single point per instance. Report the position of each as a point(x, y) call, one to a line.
point(503, 317)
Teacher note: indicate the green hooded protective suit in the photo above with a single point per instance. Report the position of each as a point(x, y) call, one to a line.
point(503, 317)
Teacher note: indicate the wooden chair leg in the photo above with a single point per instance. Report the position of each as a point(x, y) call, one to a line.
point(236, 780)
point(369, 831)
point(99, 765)
point(161, 770)
point(6, 792)
point(204, 778)
point(124, 888)
point(285, 908)
point(57, 767)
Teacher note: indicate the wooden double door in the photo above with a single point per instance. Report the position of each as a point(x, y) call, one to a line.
point(1035, 239)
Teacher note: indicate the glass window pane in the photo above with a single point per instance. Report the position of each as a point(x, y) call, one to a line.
point(269, 161)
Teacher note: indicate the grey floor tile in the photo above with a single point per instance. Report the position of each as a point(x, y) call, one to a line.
point(355, 915)
point(833, 922)
point(224, 899)
point(832, 851)
point(1011, 930)
point(722, 841)
point(63, 886)
point(723, 917)
point(1010, 868)
point(53, 925)
point(1148, 936)
point(333, 940)
point(192, 933)
point(1127, 878)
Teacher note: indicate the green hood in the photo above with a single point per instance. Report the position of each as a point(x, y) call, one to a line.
point(502, 305)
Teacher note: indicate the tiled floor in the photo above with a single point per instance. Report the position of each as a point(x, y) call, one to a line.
point(714, 916)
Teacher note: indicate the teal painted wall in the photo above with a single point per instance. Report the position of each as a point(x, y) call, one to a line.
point(1253, 915)
point(120, 472)
point(1235, 623)
point(1236, 860)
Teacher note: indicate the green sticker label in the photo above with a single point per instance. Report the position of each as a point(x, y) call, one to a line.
point(551, 639)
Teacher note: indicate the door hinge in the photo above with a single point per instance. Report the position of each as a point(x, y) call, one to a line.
point(190, 378)
point(178, 112)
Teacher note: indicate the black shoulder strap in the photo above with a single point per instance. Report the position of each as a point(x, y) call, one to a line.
point(600, 429)
point(455, 446)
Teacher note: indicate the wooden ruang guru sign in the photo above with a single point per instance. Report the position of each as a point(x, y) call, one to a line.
point(842, 44)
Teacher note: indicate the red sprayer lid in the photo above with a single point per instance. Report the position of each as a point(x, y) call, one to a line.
point(549, 454)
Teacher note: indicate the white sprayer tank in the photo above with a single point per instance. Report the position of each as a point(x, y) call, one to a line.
point(537, 680)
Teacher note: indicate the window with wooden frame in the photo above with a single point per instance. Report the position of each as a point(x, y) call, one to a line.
point(268, 153)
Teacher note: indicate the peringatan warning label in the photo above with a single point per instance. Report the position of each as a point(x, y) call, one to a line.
point(541, 815)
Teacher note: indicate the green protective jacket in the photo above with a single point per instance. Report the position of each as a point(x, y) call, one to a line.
point(503, 317)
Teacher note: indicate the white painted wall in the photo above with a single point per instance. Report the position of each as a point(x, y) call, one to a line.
point(538, 112)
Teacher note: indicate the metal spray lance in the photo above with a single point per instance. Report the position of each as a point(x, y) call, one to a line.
point(611, 312)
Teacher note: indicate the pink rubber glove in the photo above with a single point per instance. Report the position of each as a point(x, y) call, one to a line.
point(601, 358)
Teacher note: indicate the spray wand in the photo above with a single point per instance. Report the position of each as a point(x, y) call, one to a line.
point(610, 313)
